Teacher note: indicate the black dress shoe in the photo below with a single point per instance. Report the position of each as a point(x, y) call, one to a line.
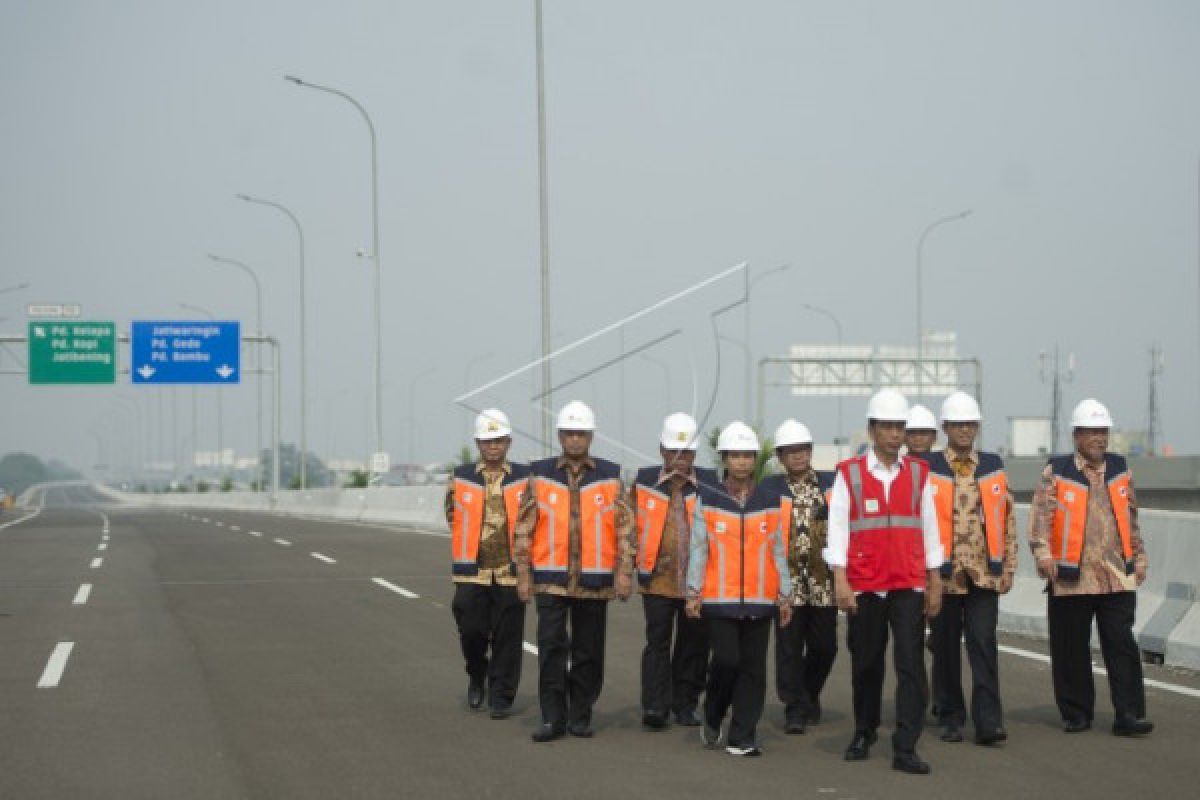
point(994, 736)
point(1076, 725)
point(549, 732)
point(860, 745)
point(813, 715)
point(475, 695)
point(910, 763)
point(951, 732)
point(1129, 726)
point(688, 718)
point(654, 720)
point(500, 712)
point(795, 725)
point(581, 730)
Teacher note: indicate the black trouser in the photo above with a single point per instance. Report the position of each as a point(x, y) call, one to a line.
point(737, 675)
point(568, 694)
point(972, 615)
point(1070, 620)
point(672, 679)
point(867, 638)
point(491, 616)
point(804, 653)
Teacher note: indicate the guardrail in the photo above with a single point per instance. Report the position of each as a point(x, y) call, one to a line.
point(1168, 614)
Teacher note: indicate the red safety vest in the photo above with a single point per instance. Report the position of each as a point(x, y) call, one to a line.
point(887, 545)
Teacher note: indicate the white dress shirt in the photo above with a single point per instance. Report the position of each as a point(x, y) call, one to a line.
point(837, 541)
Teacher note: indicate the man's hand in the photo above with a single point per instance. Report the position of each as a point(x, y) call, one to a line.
point(785, 613)
point(624, 586)
point(933, 595)
point(844, 595)
point(1139, 573)
point(524, 586)
point(1047, 568)
point(1005, 583)
point(692, 607)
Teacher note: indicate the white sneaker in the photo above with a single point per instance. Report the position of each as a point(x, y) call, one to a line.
point(752, 750)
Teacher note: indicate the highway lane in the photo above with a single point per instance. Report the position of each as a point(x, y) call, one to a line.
point(210, 662)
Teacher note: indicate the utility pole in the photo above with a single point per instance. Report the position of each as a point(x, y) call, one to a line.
point(1153, 414)
point(1056, 379)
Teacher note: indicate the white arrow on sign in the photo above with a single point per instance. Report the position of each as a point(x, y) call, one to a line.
point(146, 371)
point(224, 370)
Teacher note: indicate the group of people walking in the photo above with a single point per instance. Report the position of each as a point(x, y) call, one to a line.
point(898, 538)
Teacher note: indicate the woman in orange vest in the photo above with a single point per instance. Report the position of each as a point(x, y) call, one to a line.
point(481, 509)
point(738, 580)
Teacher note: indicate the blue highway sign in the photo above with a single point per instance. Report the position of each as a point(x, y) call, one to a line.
point(186, 352)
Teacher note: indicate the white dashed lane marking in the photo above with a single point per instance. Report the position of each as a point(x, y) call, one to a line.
point(81, 596)
point(56, 665)
point(391, 587)
point(323, 557)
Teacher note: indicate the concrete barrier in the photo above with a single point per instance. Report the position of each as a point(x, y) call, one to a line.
point(1167, 623)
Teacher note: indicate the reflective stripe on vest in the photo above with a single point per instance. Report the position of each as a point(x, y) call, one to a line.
point(1070, 521)
point(886, 548)
point(466, 523)
point(651, 518)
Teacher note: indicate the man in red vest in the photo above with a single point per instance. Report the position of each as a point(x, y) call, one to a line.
point(1085, 537)
point(885, 553)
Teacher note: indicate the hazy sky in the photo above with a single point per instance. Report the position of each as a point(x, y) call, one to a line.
point(684, 137)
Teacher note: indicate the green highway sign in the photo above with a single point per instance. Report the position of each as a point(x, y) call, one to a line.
point(72, 352)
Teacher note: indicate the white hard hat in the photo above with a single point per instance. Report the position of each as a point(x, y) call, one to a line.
point(1091, 413)
point(920, 418)
point(492, 423)
point(737, 437)
point(791, 432)
point(576, 416)
point(961, 407)
point(678, 432)
point(888, 405)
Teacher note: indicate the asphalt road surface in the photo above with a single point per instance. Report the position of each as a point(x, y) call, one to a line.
point(156, 654)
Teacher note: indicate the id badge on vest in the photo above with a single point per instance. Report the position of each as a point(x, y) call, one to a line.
point(871, 505)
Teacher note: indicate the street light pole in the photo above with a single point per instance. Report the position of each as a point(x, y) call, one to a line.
point(220, 412)
point(260, 478)
point(920, 320)
point(837, 324)
point(377, 309)
point(303, 337)
point(544, 231)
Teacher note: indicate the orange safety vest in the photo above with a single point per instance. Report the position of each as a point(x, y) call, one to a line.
point(1071, 490)
point(466, 520)
point(740, 576)
point(650, 508)
point(599, 494)
point(993, 505)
